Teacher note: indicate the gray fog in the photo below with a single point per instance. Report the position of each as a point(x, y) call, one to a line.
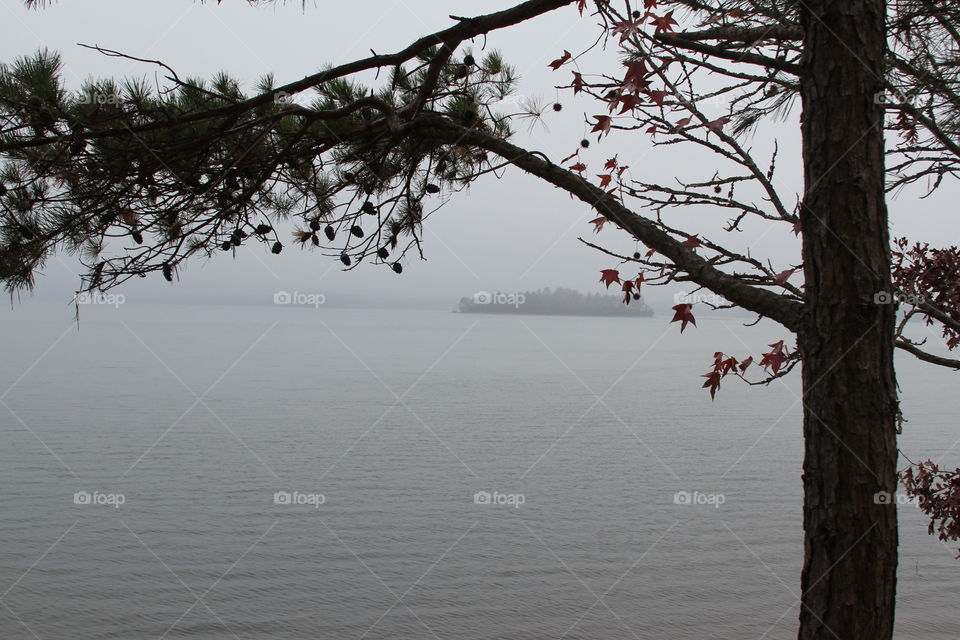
point(510, 234)
point(183, 464)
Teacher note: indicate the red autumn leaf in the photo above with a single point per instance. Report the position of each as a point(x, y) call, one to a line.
point(605, 179)
point(611, 163)
point(612, 97)
point(627, 286)
point(579, 167)
point(598, 223)
point(783, 276)
point(639, 280)
point(796, 228)
point(728, 365)
point(652, 129)
point(621, 170)
point(562, 60)
point(693, 242)
point(664, 23)
point(649, 254)
point(626, 29)
point(722, 366)
point(736, 13)
point(657, 97)
point(603, 125)
point(717, 125)
point(634, 81)
point(609, 276)
point(581, 5)
point(712, 383)
point(577, 83)
point(629, 102)
point(683, 316)
point(775, 358)
point(680, 124)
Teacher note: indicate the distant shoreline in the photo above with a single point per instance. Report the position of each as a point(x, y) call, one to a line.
point(572, 314)
point(556, 302)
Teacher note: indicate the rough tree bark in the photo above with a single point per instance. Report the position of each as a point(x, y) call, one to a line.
point(846, 338)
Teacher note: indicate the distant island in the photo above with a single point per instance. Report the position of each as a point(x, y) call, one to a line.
point(554, 302)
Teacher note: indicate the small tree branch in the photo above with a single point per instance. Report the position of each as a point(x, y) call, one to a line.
point(783, 310)
point(736, 56)
point(463, 30)
point(746, 35)
point(927, 357)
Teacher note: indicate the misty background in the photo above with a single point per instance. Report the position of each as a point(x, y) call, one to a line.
point(198, 411)
point(512, 234)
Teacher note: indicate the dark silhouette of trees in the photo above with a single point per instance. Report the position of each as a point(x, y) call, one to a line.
point(555, 302)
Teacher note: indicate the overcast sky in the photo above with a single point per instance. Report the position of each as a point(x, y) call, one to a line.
point(510, 234)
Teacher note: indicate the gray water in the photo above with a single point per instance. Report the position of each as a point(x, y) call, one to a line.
point(196, 416)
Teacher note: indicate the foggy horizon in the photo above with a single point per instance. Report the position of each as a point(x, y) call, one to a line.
point(533, 227)
point(339, 416)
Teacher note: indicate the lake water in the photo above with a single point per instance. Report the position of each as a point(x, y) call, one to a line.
point(583, 429)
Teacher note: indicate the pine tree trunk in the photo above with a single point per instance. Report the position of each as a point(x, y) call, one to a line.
point(850, 541)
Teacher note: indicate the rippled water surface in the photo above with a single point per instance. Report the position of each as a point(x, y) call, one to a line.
point(195, 417)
